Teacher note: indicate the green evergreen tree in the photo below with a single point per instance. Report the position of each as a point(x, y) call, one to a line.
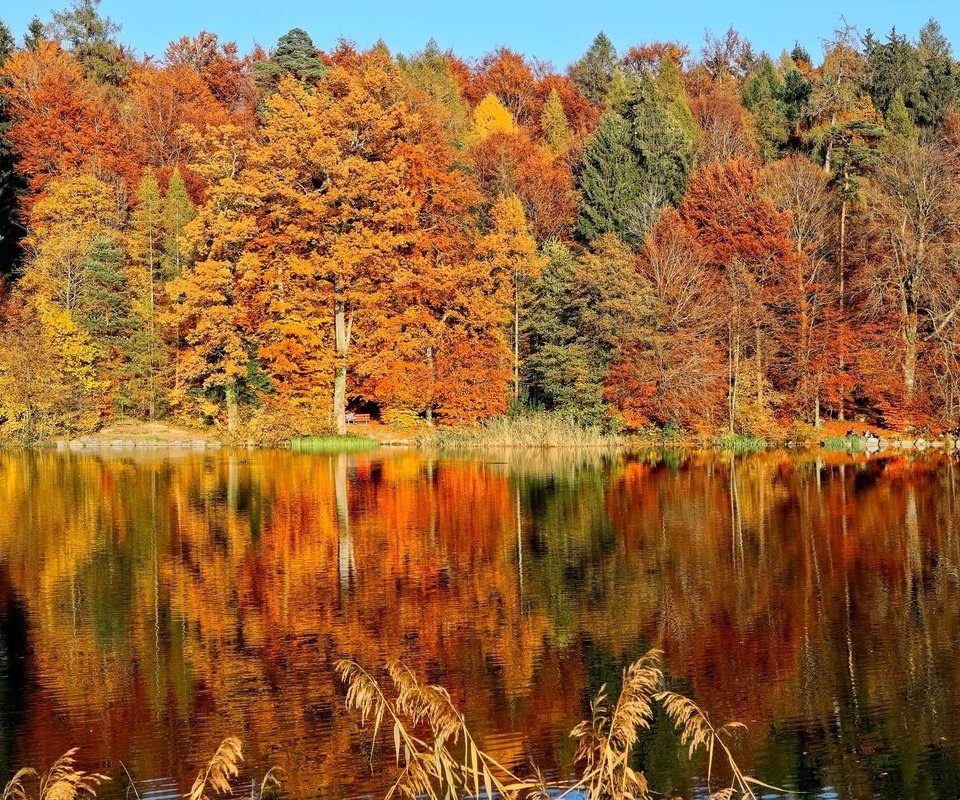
point(594, 72)
point(892, 66)
point(897, 120)
point(91, 40)
point(10, 183)
point(554, 124)
point(104, 309)
point(31, 39)
point(939, 81)
point(637, 161)
point(584, 310)
point(178, 210)
point(295, 53)
point(611, 181)
point(763, 97)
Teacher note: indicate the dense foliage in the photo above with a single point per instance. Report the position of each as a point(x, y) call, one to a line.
point(718, 241)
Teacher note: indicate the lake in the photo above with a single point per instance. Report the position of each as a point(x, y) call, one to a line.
point(152, 603)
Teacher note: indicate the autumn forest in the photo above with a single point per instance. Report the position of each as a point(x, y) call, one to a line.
point(695, 235)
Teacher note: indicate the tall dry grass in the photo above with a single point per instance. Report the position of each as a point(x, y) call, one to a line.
point(530, 430)
point(445, 762)
point(63, 781)
point(429, 765)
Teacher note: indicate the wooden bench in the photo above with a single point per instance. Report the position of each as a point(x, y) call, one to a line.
point(353, 419)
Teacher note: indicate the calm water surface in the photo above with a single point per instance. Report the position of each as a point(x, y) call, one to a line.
point(151, 604)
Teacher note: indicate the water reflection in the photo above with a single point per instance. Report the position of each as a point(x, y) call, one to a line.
point(151, 604)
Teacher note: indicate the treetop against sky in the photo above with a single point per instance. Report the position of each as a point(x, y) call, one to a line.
point(557, 31)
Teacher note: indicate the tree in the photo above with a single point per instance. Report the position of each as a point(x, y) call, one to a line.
point(891, 66)
point(809, 306)
point(63, 223)
point(178, 211)
point(938, 86)
point(61, 124)
point(914, 206)
point(637, 161)
point(10, 181)
point(748, 242)
point(34, 34)
point(731, 56)
point(168, 107)
point(676, 370)
point(90, 38)
point(145, 242)
point(295, 54)
point(763, 95)
point(897, 120)
point(46, 375)
point(228, 76)
point(210, 300)
point(610, 181)
point(105, 310)
point(723, 122)
point(594, 71)
point(511, 249)
point(515, 164)
point(491, 117)
point(429, 72)
point(554, 125)
point(587, 314)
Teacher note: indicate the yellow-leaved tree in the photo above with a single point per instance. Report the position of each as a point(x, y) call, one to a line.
point(510, 248)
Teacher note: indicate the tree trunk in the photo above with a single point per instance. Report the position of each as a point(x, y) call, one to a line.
point(516, 336)
point(233, 411)
point(341, 327)
point(910, 357)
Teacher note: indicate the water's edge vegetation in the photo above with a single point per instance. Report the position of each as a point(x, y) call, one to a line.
point(438, 758)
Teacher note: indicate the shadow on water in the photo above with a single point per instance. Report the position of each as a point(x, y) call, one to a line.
point(152, 603)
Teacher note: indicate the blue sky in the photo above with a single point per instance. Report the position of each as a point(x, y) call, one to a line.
point(558, 31)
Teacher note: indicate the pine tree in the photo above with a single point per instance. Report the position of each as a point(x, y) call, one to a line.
point(763, 96)
point(897, 120)
point(105, 310)
point(594, 72)
point(611, 183)
point(637, 161)
point(10, 183)
point(553, 123)
point(295, 54)
point(34, 34)
point(91, 41)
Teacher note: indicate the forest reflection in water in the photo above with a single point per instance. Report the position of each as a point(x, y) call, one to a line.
point(152, 603)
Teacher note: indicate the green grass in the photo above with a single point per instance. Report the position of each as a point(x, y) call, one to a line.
point(333, 444)
point(855, 443)
point(531, 430)
point(740, 444)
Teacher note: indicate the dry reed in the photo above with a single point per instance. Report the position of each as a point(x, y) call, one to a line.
point(63, 781)
point(428, 766)
point(431, 768)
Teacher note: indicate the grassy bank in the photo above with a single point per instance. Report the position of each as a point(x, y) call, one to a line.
point(349, 443)
point(538, 430)
point(740, 444)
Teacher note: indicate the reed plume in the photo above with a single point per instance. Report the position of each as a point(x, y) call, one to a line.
point(605, 741)
point(63, 781)
point(219, 771)
point(429, 767)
